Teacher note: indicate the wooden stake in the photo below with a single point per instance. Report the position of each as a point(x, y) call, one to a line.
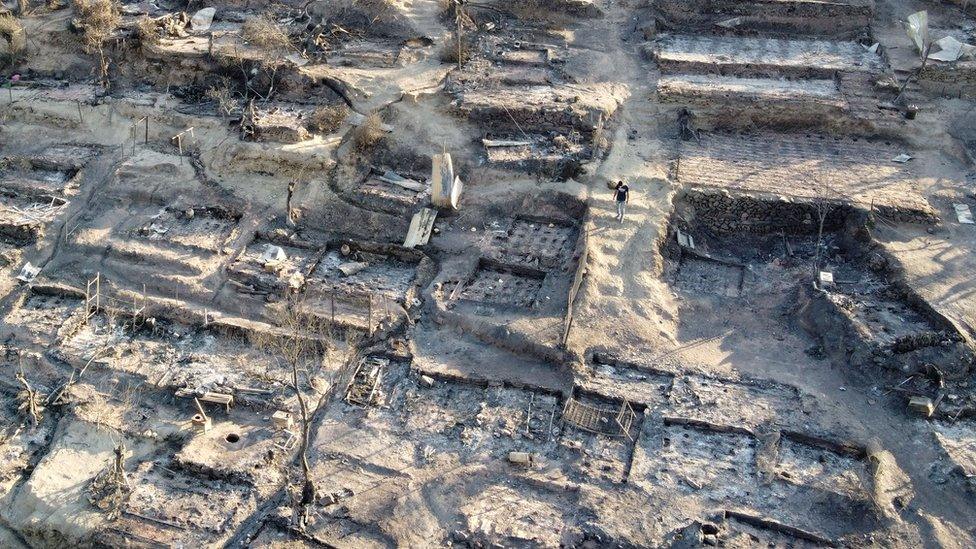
point(200, 408)
point(369, 316)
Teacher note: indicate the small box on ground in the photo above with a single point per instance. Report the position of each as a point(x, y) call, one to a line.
point(282, 419)
point(922, 405)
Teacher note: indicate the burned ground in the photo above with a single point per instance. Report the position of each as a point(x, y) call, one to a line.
point(347, 274)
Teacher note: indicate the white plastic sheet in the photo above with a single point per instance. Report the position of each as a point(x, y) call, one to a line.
point(202, 19)
point(918, 29)
point(951, 49)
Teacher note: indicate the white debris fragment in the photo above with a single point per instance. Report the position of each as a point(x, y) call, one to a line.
point(730, 23)
point(353, 267)
point(273, 253)
point(521, 458)
point(826, 278)
point(394, 178)
point(445, 186)
point(902, 158)
point(202, 19)
point(296, 280)
point(918, 30)
point(421, 227)
point(297, 60)
point(963, 214)
point(489, 143)
point(951, 49)
point(28, 273)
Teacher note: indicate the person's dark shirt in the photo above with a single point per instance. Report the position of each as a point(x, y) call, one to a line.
point(622, 191)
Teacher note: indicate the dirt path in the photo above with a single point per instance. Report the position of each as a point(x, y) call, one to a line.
point(624, 305)
point(425, 17)
point(47, 249)
point(623, 302)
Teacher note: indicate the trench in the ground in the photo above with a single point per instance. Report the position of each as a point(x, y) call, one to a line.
point(751, 266)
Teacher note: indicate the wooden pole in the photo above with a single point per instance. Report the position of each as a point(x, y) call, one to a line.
point(908, 79)
point(200, 408)
point(369, 315)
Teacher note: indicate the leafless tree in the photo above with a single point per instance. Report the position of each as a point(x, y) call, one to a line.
point(224, 99)
point(110, 488)
point(98, 20)
point(31, 401)
point(914, 74)
point(459, 51)
point(924, 46)
point(299, 344)
point(291, 213)
point(273, 43)
point(823, 204)
point(13, 33)
point(459, 16)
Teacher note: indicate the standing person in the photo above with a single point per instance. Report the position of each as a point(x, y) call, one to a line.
point(621, 194)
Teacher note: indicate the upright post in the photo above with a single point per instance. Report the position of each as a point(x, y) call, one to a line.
point(369, 315)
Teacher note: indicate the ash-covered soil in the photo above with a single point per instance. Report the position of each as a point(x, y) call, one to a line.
point(348, 273)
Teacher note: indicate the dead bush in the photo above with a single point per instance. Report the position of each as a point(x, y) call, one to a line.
point(267, 35)
point(224, 99)
point(450, 53)
point(328, 119)
point(148, 30)
point(97, 19)
point(369, 133)
point(12, 31)
point(451, 14)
